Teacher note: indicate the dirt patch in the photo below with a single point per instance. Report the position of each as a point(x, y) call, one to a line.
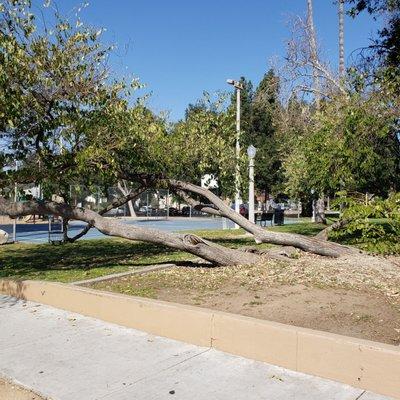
point(343, 296)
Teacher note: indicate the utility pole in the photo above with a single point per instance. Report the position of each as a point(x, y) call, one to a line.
point(312, 39)
point(341, 38)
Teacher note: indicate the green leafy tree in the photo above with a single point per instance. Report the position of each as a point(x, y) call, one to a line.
point(69, 121)
point(383, 55)
point(54, 85)
point(373, 224)
point(352, 144)
point(204, 143)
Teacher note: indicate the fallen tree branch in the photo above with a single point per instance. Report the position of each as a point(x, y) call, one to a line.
point(324, 234)
point(212, 252)
point(309, 244)
point(196, 204)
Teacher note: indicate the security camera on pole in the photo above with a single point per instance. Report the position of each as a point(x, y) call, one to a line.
point(238, 86)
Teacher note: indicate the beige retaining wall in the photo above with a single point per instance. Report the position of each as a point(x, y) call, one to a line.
point(361, 363)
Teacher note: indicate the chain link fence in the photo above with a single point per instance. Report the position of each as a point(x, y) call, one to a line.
point(155, 204)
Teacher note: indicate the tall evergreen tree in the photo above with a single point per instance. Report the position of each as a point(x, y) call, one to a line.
point(265, 107)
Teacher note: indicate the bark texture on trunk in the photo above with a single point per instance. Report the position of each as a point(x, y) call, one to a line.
point(309, 244)
point(123, 187)
point(320, 211)
point(214, 253)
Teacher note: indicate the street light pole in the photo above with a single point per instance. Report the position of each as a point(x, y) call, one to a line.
point(251, 152)
point(15, 200)
point(237, 172)
point(238, 86)
point(314, 211)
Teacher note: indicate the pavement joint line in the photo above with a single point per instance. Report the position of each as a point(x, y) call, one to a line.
point(361, 394)
point(154, 374)
point(139, 271)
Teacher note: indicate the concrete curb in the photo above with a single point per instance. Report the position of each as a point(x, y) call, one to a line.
point(360, 363)
point(138, 271)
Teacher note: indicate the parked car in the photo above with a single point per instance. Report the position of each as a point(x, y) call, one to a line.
point(115, 212)
point(186, 211)
point(173, 211)
point(145, 210)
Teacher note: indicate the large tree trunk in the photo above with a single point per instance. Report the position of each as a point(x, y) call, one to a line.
point(320, 210)
point(126, 191)
point(309, 244)
point(214, 253)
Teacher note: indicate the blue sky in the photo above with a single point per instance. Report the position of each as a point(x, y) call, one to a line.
point(179, 48)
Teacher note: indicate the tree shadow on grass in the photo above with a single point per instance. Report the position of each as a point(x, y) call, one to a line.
point(29, 260)
point(90, 258)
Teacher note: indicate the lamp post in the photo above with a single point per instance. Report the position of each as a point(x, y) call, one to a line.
point(15, 200)
point(314, 216)
point(251, 152)
point(238, 86)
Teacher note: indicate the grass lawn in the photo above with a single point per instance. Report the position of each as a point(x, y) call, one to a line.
point(84, 259)
point(87, 259)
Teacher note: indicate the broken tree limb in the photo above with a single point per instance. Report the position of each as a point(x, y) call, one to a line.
point(196, 204)
point(212, 252)
point(324, 234)
point(309, 244)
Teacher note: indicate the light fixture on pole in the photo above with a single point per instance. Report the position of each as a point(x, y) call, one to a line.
point(238, 86)
point(251, 152)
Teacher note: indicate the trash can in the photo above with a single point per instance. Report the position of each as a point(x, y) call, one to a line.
point(279, 217)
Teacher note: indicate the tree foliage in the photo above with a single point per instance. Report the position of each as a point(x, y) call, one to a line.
point(55, 90)
point(372, 222)
point(351, 143)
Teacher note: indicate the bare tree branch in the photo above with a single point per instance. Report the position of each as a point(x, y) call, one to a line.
point(114, 204)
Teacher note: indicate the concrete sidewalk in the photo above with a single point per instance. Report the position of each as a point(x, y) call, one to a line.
point(68, 356)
